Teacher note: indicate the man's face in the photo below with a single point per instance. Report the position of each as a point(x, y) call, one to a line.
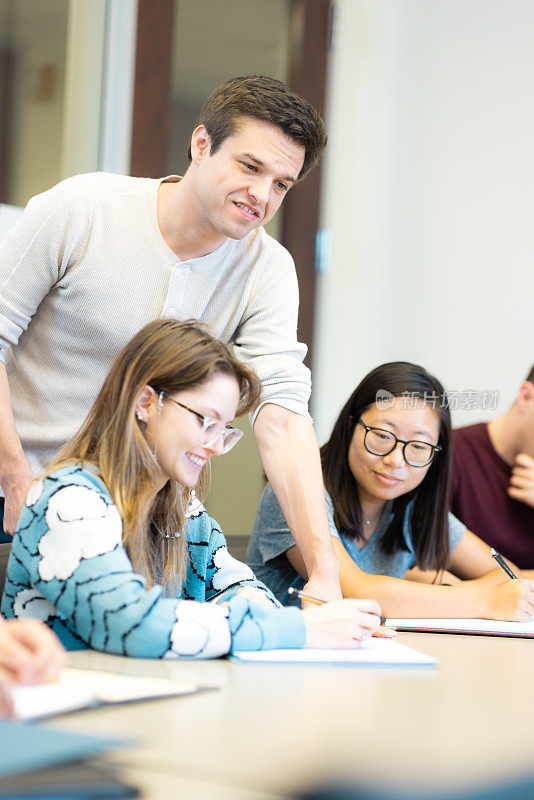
point(241, 186)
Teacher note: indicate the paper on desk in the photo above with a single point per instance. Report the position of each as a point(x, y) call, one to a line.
point(81, 688)
point(486, 627)
point(373, 652)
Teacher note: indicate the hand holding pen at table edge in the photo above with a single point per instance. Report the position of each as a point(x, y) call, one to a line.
point(344, 622)
point(519, 591)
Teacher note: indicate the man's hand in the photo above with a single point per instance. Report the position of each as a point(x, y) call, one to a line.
point(15, 473)
point(16, 492)
point(521, 486)
point(29, 651)
point(324, 586)
point(290, 455)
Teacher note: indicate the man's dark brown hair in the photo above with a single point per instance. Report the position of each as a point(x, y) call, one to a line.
point(530, 376)
point(266, 99)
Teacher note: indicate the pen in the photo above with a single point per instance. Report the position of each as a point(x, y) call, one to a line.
point(502, 563)
point(310, 598)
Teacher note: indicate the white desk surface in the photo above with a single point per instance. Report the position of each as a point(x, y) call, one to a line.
point(270, 730)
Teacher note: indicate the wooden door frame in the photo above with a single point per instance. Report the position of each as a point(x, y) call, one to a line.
point(7, 67)
point(152, 88)
point(307, 76)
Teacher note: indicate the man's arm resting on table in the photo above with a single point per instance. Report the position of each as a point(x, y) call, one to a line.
point(15, 473)
point(290, 456)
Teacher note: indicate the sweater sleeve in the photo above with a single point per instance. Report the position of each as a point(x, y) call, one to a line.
point(253, 625)
point(36, 252)
point(267, 336)
point(69, 544)
point(224, 574)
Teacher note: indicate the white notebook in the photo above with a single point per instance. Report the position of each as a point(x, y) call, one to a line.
point(483, 627)
point(79, 688)
point(372, 653)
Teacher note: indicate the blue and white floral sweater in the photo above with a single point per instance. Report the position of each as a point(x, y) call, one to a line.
point(68, 568)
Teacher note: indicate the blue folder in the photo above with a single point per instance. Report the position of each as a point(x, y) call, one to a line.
point(25, 747)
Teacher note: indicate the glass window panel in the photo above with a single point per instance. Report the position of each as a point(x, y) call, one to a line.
point(33, 36)
point(51, 84)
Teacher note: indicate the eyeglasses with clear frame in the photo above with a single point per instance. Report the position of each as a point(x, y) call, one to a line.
point(211, 428)
point(380, 442)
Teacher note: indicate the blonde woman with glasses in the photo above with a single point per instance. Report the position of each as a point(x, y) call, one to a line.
point(114, 550)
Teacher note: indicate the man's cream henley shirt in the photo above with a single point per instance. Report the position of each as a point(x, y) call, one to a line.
point(86, 267)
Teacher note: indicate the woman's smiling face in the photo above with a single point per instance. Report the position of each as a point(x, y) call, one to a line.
point(387, 477)
point(182, 450)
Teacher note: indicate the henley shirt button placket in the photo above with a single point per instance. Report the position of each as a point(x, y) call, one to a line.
point(175, 295)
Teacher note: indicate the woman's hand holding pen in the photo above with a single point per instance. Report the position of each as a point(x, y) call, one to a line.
point(512, 600)
point(342, 624)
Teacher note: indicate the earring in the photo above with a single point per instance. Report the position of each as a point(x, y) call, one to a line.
point(160, 405)
point(139, 416)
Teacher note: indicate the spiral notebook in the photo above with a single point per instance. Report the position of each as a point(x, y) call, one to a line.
point(477, 627)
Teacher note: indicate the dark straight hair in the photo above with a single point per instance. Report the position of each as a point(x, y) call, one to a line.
point(429, 520)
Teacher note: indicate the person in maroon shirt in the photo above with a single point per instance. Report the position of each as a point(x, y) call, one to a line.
point(493, 478)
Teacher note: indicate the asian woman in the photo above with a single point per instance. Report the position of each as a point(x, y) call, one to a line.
point(386, 472)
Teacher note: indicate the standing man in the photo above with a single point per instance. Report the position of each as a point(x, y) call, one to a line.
point(493, 478)
point(98, 256)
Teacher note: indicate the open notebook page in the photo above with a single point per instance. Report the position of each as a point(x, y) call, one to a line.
point(373, 652)
point(80, 688)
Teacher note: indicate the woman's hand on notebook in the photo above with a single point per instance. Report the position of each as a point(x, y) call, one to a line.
point(343, 624)
point(511, 600)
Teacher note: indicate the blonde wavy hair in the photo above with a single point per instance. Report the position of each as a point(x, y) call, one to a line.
point(171, 356)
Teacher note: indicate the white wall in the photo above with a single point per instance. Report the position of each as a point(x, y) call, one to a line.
point(429, 195)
